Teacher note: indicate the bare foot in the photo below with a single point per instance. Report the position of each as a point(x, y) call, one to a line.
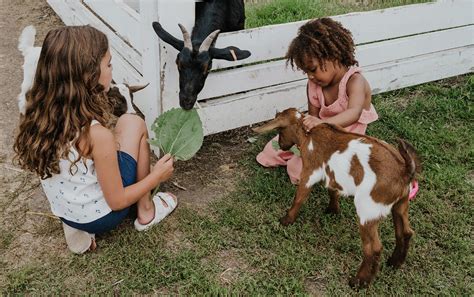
point(93, 245)
point(145, 218)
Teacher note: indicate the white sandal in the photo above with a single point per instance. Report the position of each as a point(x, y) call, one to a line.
point(78, 241)
point(161, 211)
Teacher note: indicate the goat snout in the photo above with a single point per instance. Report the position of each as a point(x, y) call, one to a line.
point(187, 102)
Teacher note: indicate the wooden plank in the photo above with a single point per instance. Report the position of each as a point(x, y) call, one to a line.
point(133, 4)
point(271, 42)
point(256, 106)
point(122, 71)
point(169, 71)
point(148, 100)
point(222, 83)
point(74, 13)
point(121, 18)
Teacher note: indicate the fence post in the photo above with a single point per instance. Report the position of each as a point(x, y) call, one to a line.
point(159, 68)
point(170, 13)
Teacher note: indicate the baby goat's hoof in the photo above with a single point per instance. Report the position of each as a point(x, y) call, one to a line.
point(332, 210)
point(358, 283)
point(394, 262)
point(286, 220)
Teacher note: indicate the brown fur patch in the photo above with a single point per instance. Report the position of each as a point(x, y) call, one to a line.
point(332, 180)
point(357, 172)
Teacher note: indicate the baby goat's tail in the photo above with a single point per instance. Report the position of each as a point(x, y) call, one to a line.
point(412, 162)
point(27, 39)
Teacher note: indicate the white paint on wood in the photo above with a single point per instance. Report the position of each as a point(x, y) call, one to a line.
point(253, 77)
point(397, 48)
point(169, 19)
point(255, 106)
point(74, 13)
point(271, 42)
point(118, 15)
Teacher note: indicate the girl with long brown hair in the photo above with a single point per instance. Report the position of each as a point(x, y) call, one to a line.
point(90, 174)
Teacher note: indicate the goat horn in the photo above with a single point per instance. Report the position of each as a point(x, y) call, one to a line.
point(137, 88)
point(187, 39)
point(206, 44)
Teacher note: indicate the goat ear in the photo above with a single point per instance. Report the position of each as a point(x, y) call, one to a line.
point(167, 37)
point(230, 53)
point(272, 125)
point(137, 88)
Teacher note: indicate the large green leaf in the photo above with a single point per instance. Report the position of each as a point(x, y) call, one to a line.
point(179, 133)
point(294, 149)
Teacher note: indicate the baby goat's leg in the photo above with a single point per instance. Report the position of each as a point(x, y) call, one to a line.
point(372, 249)
point(302, 194)
point(333, 206)
point(403, 233)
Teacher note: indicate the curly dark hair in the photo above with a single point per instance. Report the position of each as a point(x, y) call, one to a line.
point(65, 97)
point(324, 40)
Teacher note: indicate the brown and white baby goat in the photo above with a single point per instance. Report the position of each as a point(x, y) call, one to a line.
point(374, 172)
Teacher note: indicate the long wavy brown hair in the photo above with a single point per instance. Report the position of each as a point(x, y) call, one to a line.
point(323, 39)
point(65, 97)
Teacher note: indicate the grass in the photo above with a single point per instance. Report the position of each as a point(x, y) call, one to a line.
point(238, 246)
point(265, 12)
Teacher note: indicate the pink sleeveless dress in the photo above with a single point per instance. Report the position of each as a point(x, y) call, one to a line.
point(269, 157)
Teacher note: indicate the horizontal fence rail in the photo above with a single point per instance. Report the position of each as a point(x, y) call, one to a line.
point(397, 47)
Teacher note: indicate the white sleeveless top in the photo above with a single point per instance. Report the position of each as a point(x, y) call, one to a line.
point(78, 197)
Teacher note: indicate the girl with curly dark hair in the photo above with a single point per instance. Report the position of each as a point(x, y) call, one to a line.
point(337, 91)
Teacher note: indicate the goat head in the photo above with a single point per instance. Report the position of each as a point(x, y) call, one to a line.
point(194, 61)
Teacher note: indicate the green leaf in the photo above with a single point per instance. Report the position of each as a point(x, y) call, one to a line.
point(294, 149)
point(179, 133)
point(275, 145)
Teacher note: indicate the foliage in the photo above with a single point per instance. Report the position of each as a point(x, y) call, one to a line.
point(178, 132)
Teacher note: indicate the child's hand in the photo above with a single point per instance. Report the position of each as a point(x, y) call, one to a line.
point(310, 122)
point(163, 169)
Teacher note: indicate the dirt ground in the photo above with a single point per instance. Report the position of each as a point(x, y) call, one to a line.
point(26, 234)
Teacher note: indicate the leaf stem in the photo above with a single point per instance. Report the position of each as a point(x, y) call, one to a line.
point(155, 191)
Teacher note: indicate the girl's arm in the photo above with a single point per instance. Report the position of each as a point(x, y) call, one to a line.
point(104, 154)
point(356, 91)
point(313, 110)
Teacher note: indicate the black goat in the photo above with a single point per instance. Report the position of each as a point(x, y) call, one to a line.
point(197, 51)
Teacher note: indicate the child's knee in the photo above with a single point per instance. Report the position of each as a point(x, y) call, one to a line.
point(134, 121)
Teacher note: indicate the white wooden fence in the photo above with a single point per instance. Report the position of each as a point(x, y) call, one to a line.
point(397, 47)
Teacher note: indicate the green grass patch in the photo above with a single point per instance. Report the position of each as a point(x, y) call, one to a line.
point(239, 247)
point(263, 12)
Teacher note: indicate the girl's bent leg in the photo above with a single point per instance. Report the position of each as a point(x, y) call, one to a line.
point(131, 134)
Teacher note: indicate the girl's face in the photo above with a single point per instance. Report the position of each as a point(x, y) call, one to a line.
point(321, 77)
point(106, 71)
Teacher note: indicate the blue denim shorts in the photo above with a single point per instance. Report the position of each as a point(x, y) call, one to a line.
point(128, 172)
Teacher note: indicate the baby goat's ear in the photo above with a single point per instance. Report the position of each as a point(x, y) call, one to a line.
point(273, 124)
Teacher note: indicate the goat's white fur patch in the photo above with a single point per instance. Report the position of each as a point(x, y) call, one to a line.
point(316, 176)
point(310, 145)
point(298, 115)
point(340, 164)
point(31, 55)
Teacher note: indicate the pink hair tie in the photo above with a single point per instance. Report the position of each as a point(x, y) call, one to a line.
point(413, 190)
